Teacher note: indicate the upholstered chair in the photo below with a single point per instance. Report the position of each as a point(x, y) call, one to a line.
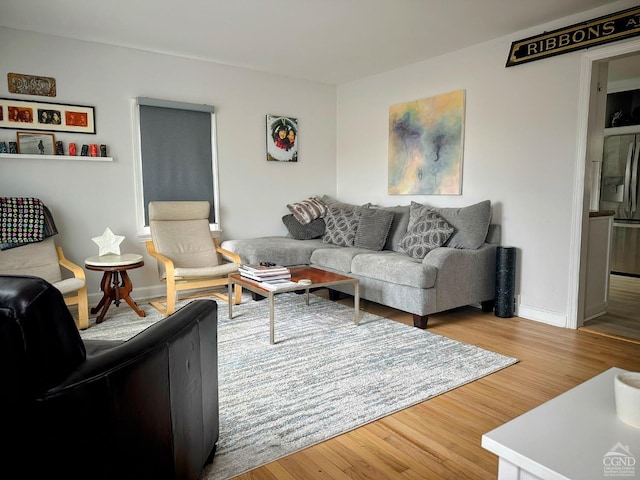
point(46, 260)
point(189, 257)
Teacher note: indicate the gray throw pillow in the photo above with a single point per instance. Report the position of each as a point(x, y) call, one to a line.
point(471, 224)
point(313, 229)
point(341, 224)
point(373, 228)
point(426, 231)
point(398, 227)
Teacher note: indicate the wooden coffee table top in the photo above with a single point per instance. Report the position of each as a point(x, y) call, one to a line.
point(317, 276)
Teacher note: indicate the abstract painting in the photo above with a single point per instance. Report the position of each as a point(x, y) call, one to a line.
point(426, 145)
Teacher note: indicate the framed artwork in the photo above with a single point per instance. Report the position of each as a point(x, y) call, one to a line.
point(282, 139)
point(27, 115)
point(36, 143)
point(426, 146)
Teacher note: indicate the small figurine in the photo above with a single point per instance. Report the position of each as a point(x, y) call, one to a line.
point(59, 148)
point(85, 150)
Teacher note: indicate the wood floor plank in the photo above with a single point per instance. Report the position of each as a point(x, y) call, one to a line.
point(622, 319)
point(441, 437)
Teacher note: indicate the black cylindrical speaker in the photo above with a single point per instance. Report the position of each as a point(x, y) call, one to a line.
point(505, 281)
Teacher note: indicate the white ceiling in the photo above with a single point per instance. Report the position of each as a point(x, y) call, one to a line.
point(329, 41)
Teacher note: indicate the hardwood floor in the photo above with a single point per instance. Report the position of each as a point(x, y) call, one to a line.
point(623, 316)
point(440, 438)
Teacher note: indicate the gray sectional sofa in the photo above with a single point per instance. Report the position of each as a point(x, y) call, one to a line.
point(414, 258)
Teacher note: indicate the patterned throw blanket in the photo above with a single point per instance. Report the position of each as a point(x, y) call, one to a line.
point(24, 220)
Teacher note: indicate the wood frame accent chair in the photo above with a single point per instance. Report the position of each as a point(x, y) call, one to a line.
point(188, 255)
point(46, 260)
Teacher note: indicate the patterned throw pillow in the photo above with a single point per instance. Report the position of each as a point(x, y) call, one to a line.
point(426, 231)
point(341, 225)
point(308, 210)
point(313, 229)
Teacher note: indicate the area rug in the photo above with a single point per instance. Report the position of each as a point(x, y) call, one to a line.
point(323, 377)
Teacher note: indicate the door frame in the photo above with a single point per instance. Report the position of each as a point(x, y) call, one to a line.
point(589, 69)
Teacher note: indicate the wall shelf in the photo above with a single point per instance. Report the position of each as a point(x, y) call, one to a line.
point(55, 157)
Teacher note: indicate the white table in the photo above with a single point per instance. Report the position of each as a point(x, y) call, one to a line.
point(572, 436)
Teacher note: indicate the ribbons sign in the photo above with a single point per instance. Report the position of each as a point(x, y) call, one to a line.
point(609, 28)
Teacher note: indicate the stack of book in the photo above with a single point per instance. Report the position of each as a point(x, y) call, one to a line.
point(269, 277)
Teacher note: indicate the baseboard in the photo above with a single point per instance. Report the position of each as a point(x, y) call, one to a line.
point(544, 316)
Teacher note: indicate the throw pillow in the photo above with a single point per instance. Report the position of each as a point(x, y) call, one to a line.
point(398, 227)
point(426, 231)
point(308, 210)
point(471, 224)
point(373, 228)
point(341, 225)
point(313, 229)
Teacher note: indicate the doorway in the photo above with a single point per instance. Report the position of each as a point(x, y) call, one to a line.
point(622, 319)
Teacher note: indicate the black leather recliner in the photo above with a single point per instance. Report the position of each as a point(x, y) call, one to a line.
point(146, 408)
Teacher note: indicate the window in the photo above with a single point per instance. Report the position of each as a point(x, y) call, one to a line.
point(176, 146)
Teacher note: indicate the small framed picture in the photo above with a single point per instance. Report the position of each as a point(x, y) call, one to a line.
point(282, 138)
point(36, 143)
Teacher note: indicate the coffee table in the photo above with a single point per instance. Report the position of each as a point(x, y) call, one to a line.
point(318, 278)
point(576, 435)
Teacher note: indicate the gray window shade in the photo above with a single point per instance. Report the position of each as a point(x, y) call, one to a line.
point(176, 156)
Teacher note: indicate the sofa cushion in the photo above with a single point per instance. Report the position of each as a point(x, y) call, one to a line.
point(373, 228)
point(426, 231)
point(313, 229)
point(471, 224)
point(398, 227)
point(308, 210)
point(396, 268)
point(279, 250)
point(338, 259)
point(341, 223)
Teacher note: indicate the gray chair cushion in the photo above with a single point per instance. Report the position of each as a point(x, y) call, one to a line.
point(39, 259)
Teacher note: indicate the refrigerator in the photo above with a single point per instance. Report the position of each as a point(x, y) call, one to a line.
point(619, 189)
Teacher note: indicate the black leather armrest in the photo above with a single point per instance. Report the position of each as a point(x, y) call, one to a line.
point(149, 405)
point(104, 359)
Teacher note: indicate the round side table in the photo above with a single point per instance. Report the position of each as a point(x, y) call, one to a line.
point(116, 284)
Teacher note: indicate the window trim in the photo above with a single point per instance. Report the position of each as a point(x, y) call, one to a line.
point(143, 232)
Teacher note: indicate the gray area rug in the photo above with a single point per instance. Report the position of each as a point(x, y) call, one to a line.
point(325, 376)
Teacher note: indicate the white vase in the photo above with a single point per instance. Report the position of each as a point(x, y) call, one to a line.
point(627, 395)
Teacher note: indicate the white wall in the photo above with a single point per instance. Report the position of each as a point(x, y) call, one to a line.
point(519, 150)
point(520, 145)
point(86, 197)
